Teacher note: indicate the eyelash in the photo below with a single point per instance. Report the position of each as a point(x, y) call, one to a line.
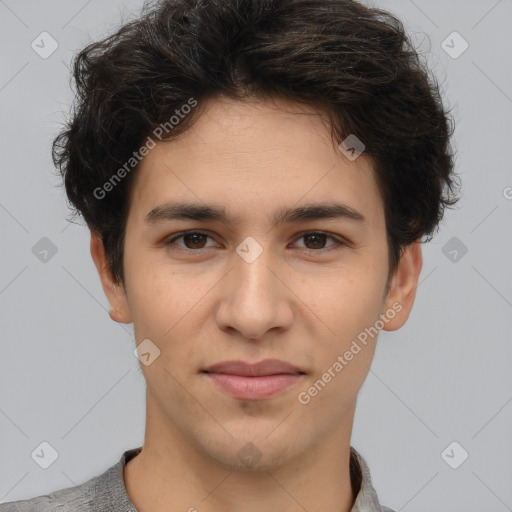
point(338, 242)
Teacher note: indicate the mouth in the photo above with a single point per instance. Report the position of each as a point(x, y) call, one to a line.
point(259, 381)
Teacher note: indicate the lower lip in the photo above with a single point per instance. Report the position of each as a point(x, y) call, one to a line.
point(254, 388)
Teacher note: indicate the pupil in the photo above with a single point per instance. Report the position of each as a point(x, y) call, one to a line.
point(192, 239)
point(319, 244)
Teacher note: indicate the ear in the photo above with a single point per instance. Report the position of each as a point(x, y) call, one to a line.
point(115, 293)
point(402, 289)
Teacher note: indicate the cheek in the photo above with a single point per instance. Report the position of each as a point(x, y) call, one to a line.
point(352, 302)
point(343, 355)
point(155, 296)
point(165, 300)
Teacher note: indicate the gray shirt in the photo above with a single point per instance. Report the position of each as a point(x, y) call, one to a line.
point(107, 492)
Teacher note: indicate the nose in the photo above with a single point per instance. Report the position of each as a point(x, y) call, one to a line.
point(255, 298)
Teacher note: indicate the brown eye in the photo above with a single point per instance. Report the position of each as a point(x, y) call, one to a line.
point(192, 240)
point(315, 241)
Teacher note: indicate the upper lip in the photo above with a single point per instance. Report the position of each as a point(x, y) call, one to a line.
point(262, 368)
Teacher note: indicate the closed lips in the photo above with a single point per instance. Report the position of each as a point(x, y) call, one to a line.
point(260, 369)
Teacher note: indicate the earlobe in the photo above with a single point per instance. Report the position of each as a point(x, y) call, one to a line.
point(402, 289)
point(115, 315)
point(115, 293)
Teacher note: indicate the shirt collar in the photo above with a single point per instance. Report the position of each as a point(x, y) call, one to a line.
point(366, 496)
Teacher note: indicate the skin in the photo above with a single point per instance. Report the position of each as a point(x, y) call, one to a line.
point(252, 157)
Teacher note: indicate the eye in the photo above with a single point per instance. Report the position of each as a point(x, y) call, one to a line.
point(315, 241)
point(194, 241)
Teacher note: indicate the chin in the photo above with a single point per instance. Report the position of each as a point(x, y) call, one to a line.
point(251, 449)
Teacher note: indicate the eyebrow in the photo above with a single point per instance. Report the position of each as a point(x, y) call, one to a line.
point(203, 212)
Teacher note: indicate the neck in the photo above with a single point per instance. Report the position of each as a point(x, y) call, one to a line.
point(172, 473)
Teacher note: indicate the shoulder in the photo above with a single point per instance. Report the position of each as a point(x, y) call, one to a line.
point(102, 493)
point(70, 499)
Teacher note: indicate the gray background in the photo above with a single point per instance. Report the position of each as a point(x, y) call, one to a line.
point(67, 372)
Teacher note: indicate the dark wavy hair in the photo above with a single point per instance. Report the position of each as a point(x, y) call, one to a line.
point(355, 64)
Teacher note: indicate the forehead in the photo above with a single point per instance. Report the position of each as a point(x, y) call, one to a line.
point(255, 154)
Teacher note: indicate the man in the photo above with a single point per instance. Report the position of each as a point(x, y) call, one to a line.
point(257, 177)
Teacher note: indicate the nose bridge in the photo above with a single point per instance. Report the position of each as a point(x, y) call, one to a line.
point(256, 301)
point(255, 281)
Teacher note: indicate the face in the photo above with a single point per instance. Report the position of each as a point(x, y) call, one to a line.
point(257, 284)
